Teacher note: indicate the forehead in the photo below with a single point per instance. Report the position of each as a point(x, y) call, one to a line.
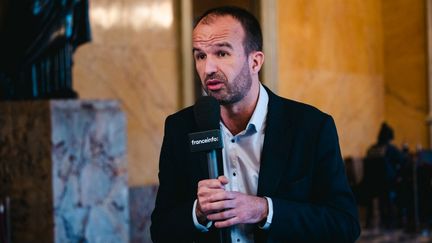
point(217, 29)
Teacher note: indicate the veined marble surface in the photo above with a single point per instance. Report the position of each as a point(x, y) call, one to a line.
point(141, 204)
point(89, 172)
point(63, 163)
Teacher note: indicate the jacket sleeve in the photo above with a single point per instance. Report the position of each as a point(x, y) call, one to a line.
point(172, 216)
point(331, 214)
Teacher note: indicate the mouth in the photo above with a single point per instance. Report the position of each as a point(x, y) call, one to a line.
point(214, 85)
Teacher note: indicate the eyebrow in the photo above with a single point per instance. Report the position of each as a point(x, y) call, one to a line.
point(225, 44)
point(222, 44)
point(195, 49)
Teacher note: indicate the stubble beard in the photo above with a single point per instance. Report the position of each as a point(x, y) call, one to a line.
point(235, 91)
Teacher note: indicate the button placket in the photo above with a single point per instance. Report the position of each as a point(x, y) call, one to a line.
point(234, 173)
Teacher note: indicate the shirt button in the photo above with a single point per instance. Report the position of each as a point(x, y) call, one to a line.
point(234, 174)
point(232, 140)
point(238, 240)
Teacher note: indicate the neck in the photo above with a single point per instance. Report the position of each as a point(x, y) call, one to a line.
point(236, 116)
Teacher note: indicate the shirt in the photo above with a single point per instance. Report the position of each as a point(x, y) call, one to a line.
point(241, 161)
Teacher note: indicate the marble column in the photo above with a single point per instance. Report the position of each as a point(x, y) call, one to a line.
point(63, 164)
point(429, 67)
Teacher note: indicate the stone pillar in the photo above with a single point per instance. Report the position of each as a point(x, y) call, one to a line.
point(63, 164)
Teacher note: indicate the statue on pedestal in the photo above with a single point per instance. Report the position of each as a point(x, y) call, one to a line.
point(38, 39)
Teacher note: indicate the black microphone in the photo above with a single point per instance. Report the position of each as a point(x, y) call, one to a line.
point(209, 139)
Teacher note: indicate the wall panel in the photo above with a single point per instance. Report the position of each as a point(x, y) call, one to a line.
point(405, 70)
point(133, 57)
point(330, 56)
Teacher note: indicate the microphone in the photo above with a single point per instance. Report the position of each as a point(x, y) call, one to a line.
point(207, 116)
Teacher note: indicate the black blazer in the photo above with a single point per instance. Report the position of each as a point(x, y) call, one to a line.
point(301, 170)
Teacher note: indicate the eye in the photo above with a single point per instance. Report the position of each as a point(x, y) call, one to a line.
point(200, 56)
point(222, 54)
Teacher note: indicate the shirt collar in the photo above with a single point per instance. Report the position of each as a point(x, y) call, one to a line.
point(260, 113)
point(257, 120)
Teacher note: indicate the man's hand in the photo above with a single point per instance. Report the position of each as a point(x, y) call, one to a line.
point(207, 188)
point(228, 208)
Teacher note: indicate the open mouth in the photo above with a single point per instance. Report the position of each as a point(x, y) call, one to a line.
point(214, 85)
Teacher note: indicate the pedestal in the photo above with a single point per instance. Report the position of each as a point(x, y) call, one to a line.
point(63, 164)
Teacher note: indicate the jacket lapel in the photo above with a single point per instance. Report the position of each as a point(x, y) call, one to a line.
point(277, 146)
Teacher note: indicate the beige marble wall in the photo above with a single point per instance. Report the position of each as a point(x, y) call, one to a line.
point(133, 57)
point(405, 70)
point(330, 56)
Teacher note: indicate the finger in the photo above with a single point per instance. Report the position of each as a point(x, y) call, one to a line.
point(208, 195)
point(212, 207)
point(217, 201)
point(218, 205)
point(221, 195)
point(221, 215)
point(223, 179)
point(227, 223)
point(205, 191)
point(210, 183)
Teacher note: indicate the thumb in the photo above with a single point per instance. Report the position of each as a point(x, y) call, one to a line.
point(223, 180)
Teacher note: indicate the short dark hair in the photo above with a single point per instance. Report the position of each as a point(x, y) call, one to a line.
point(253, 37)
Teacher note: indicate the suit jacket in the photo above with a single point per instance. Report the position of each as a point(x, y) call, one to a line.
point(301, 170)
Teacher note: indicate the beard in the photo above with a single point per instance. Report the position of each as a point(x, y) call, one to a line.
point(231, 92)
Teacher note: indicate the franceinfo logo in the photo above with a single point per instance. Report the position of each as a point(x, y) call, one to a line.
point(206, 140)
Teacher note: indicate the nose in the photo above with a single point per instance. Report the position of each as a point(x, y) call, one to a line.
point(210, 66)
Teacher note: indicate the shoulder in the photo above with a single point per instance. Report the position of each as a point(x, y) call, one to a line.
point(294, 111)
point(302, 108)
point(182, 120)
point(183, 114)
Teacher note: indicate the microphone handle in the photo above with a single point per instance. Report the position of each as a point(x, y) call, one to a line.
point(224, 233)
point(212, 164)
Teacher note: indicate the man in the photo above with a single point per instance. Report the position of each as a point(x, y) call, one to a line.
point(284, 177)
point(381, 173)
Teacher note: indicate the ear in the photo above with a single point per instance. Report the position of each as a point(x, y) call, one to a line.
point(256, 60)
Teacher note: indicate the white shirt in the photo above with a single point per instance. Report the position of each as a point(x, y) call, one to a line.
point(241, 161)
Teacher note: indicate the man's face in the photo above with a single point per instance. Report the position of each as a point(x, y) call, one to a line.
point(220, 59)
